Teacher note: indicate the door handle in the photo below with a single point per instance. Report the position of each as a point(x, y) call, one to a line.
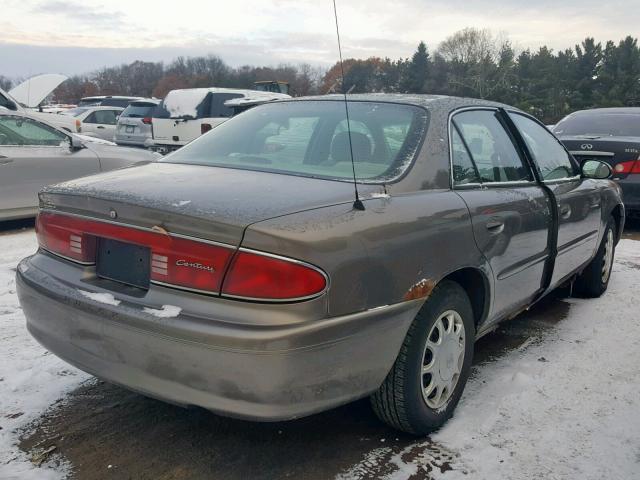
point(495, 226)
point(565, 211)
point(100, 127)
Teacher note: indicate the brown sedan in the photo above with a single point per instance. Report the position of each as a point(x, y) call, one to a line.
point(239, 274)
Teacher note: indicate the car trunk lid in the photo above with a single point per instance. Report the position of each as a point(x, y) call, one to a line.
point(621, 153)
point(210, 203)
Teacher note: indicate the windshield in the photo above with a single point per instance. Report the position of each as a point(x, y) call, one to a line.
point(74, 112)
point(138, 110)
point(593, 123)
point(310, 138)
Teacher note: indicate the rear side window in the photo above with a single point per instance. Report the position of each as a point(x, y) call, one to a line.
point(217, 108)
point(551, 158)
point(103, 117)
point(491, 147)
point(27, 132)
point(464, 171)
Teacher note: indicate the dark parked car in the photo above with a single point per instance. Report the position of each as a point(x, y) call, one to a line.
point(239, 275)
point(611, 135)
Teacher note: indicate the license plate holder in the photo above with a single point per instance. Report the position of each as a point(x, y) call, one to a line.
point(123, 262)
point(130, 129)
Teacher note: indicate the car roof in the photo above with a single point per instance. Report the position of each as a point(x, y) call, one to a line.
point(616, 110)
point(431, 102)
point(100, 107)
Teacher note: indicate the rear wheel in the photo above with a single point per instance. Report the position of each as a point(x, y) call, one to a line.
point(594, 280)
point(428, 377)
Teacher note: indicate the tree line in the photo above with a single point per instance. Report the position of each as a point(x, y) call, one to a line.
point(471, 62)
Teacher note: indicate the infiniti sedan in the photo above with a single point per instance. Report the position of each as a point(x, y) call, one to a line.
point(292, 260)
point(34, 154)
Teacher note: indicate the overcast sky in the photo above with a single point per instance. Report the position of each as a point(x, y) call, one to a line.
point(69, 36)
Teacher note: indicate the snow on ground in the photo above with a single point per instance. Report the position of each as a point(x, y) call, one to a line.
point(565, 408)
point(30, 378)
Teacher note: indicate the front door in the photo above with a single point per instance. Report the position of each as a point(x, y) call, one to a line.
point(578, 199)
point(101, 124)
point(33, 155)
point(510, 212)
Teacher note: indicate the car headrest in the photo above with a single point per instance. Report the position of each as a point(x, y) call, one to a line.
point(361, 147)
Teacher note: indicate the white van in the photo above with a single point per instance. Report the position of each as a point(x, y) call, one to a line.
point(186, 114)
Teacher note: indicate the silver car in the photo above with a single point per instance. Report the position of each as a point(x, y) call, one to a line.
point(134, 124)
point(34, 154)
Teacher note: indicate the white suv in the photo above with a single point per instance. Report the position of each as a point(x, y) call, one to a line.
point(186, 114)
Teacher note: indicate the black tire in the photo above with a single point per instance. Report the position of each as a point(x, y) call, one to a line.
point(399, 401)
point(592, 283)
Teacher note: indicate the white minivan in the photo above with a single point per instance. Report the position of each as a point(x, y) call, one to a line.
point(186, 114)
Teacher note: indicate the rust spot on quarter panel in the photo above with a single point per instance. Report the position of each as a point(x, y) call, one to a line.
point(422, 289)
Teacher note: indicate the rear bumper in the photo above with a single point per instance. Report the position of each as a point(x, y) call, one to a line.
point(631, 194)
point(255, 372)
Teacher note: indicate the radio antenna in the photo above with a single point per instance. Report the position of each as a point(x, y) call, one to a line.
point(357, 204)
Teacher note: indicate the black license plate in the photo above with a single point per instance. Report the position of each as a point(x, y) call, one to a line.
point(123, 262)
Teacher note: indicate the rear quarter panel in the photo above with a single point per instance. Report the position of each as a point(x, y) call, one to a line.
point(374, 257)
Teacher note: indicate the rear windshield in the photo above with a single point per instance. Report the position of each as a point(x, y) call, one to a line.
point(115, 102)
point(310, 138)
point(594, 123)
point(138, 110)
point(89, 101)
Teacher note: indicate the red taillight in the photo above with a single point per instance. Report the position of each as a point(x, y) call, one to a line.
point(147, 120)
point(205, 127)
point(65, 237)
point(175, 261)
point(78, 126)
point(632, 166)
point(266, 277)
point(186, 263)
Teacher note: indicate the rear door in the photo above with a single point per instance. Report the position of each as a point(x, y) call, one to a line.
point(33, 155)
point(510, 211)
point(101, 124)
point(578, 199)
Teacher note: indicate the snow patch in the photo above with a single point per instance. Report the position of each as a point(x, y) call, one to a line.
point(184, 103)
point(181, 203)
point(31, 379)
point(105, 298)
point(167, 311)
point(380, 195)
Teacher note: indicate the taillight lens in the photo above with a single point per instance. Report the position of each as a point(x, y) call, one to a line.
point(65, 237)
point(78, 126)
point(147, 120)
point(265, 277)
point(175, 261)
point(205, 127)
point(632, 166)
point(186, 263)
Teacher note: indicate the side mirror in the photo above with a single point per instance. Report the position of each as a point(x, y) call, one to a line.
point(75, 143)
point(596, 169)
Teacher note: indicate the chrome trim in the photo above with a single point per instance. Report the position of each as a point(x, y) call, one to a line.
point(137, 227)
point(562, 180)
point(481, 184)
point(209, 293)
point(591, 153)
point(73, 260)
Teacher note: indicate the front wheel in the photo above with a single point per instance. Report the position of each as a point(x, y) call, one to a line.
point(594, 280)
point(428, 377)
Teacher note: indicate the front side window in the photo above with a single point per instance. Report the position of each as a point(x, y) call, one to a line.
point(310, 138)
point(491, 147)
point(552, 160)
point(20, 131)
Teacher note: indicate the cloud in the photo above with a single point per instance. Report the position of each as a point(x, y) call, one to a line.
point(77, 12)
